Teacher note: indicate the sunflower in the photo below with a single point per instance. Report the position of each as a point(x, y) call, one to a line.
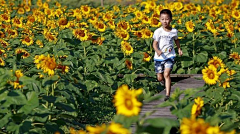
point(49, 12)
point(58, 4)
point(16, 85)
point(115, 128)
point(229, 26)
point(100, 26)
point(27, 8)
point(17, 22)
point(146, 57)
point(45, 5)
point(20, 10)
point(126, 101)
point(230, 34)
point(85, 9)
point(5, 17)
point(138, 14)
point(81, 34)
point(218, 2)
point(30, 20)
point(126, 48)
point(139, 34)
point(4, 43)
point(12, 33)
point(22, 52)
point(2, 34)
point(46, 63)
point(128, 63)
point(49, 35)
point(155, 22)
point(234, 4)
point(63, 22)
point(178, 5)
point(96, 129)
point(226, 83)
point(2, 63)
point(82, 25)
point(27, 40)
point(197, 106)
point(39, 3)
point(193, 126)
point(231, 72)
point(123, 25)
point(39, 43)
point(116, 8)
point(190, 26)
point(146, 6)
point(64, 69)
point(146, 20)
point(58, 12)
point(147, 33)
point(111, 24)
point(234, 55)
point(108, 16)
point(214, 130)
point(216, 62)
point(93, 20)
point(211, 27)
point(210, 75)
point(18, 74)
point(2, 51)
point(122, 34)
point(221, 71)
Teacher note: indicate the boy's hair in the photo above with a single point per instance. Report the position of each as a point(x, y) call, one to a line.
point(166, 11)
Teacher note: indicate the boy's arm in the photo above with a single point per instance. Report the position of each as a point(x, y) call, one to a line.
point(155, 47)
point(177, 42)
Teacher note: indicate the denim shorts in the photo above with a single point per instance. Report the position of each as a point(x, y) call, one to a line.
point(161, 65)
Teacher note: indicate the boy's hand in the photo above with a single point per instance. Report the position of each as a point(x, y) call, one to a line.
point(159, 52)
point(180, 52)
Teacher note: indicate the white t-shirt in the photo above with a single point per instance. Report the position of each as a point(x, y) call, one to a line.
point(165, 43)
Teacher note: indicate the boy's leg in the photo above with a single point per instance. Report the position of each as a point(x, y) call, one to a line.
point(160, 77)
point(159, 67)
point(168, 67)
point(167, 80)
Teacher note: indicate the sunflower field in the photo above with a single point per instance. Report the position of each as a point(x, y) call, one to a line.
point(59, 67)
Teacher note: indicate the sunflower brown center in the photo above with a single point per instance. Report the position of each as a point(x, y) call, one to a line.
point(80, 33)
point(129, 104)
point(63, 22)
point(5, 17)
point(146, 55)
point(124, 25)
point(50, 36)
point(128, 47)
point(191, 25)
point(85, 9)
point(148, 33)
point(27, 39)
point(17, 21)
point(211, 75)
point(155, 21)
point(100, 25)
point(124, 35)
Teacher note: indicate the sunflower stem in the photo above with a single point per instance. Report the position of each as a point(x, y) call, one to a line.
point(215, 46)
point(193, 46)
point(84, 52)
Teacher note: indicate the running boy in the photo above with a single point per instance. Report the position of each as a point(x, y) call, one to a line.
point(163, 44)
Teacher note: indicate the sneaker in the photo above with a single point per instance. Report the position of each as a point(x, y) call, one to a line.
point(166, 98)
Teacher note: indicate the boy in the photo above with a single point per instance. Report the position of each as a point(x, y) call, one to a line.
point(164, 50)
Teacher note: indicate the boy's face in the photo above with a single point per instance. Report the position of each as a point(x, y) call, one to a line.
point(165, 20)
